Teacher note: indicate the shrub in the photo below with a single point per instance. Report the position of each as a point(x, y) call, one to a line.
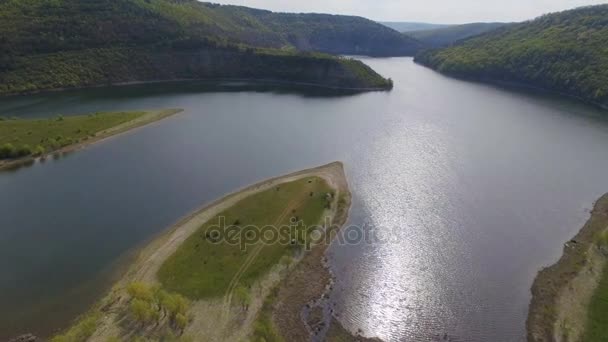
point(175, 304)
point(7, 151)
point(141, 311)
point(39, 150)
point(181, 321)
point(140, 291)
point(24, 150)
point(81, 331)
point(602, 240)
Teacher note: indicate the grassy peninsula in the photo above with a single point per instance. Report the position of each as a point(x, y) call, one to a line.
point(561, 52)
point(570, 298)
point(194, 284)
point(95, 43)
point(23, 139)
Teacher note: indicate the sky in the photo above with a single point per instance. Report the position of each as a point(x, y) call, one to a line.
point(432, 11)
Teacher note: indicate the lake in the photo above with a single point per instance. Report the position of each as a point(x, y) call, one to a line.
point(466, 190)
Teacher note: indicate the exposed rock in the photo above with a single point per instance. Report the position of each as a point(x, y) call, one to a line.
point(25, 338)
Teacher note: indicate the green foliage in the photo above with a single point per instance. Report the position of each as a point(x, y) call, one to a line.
point(175, 305)
point(241, 294)
point(148, 301)
point(81, 331)
point(7, 151)
point(140, 291)
point(597, 320)
point(181, 321)
point(565, 52)
point(18, 136)
point(602, 239)
point(85, 43)
point(263, 327)
point(445, 36)
point(141, 310)
point(202, 268)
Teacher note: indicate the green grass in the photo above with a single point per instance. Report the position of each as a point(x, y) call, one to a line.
point(44, 135)
point(263, 328)
point(82, 330)
point(201, 268)
point(597, 324)
point(597, 320)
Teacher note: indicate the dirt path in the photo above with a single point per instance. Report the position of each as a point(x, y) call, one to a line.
point(294, 203)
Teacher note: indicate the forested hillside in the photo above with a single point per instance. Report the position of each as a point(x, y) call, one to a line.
point(335, 34)
point(565, 52)
point(449, 35)
point(48, 44)
point(406, 26)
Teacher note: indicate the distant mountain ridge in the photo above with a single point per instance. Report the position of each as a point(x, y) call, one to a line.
point(73, 43)
point(565, 52)
point(407, 26)
point(449, 35)
point(334, 34)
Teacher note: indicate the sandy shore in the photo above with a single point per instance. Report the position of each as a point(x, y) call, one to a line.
point(148, 118)
point(561, 293)
point(213, 326)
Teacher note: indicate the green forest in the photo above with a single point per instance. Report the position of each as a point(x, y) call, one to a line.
point(50, 44)
point(565, 52)
point(446, 36)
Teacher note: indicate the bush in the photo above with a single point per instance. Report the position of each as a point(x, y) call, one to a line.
point(181, 321)
point(23, 151)
point(7, 151)
point(602, 240)
point(140, 291)
point(141, 310)
point(39, 150)
point(175, 304)
point(81, 331)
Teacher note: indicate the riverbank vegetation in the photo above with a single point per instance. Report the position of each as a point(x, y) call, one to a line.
point(92, 43)
point(26, 138)
point(596, 328)
point(562, 52)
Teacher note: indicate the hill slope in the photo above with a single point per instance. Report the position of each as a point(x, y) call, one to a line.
point(406, 26)
point(72, 43)
point(449, 35)
point(564, 52)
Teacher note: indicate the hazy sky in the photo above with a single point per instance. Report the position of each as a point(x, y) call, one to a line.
point(434, 11)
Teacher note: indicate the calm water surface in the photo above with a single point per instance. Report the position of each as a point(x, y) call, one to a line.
point(479, 185)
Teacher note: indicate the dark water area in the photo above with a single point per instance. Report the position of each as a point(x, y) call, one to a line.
point(476, 187)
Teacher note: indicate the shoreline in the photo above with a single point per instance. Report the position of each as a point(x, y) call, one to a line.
point(146, 119)
point(252, 81)
point(562, 292)
point(148, 258)
point(518, 86)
